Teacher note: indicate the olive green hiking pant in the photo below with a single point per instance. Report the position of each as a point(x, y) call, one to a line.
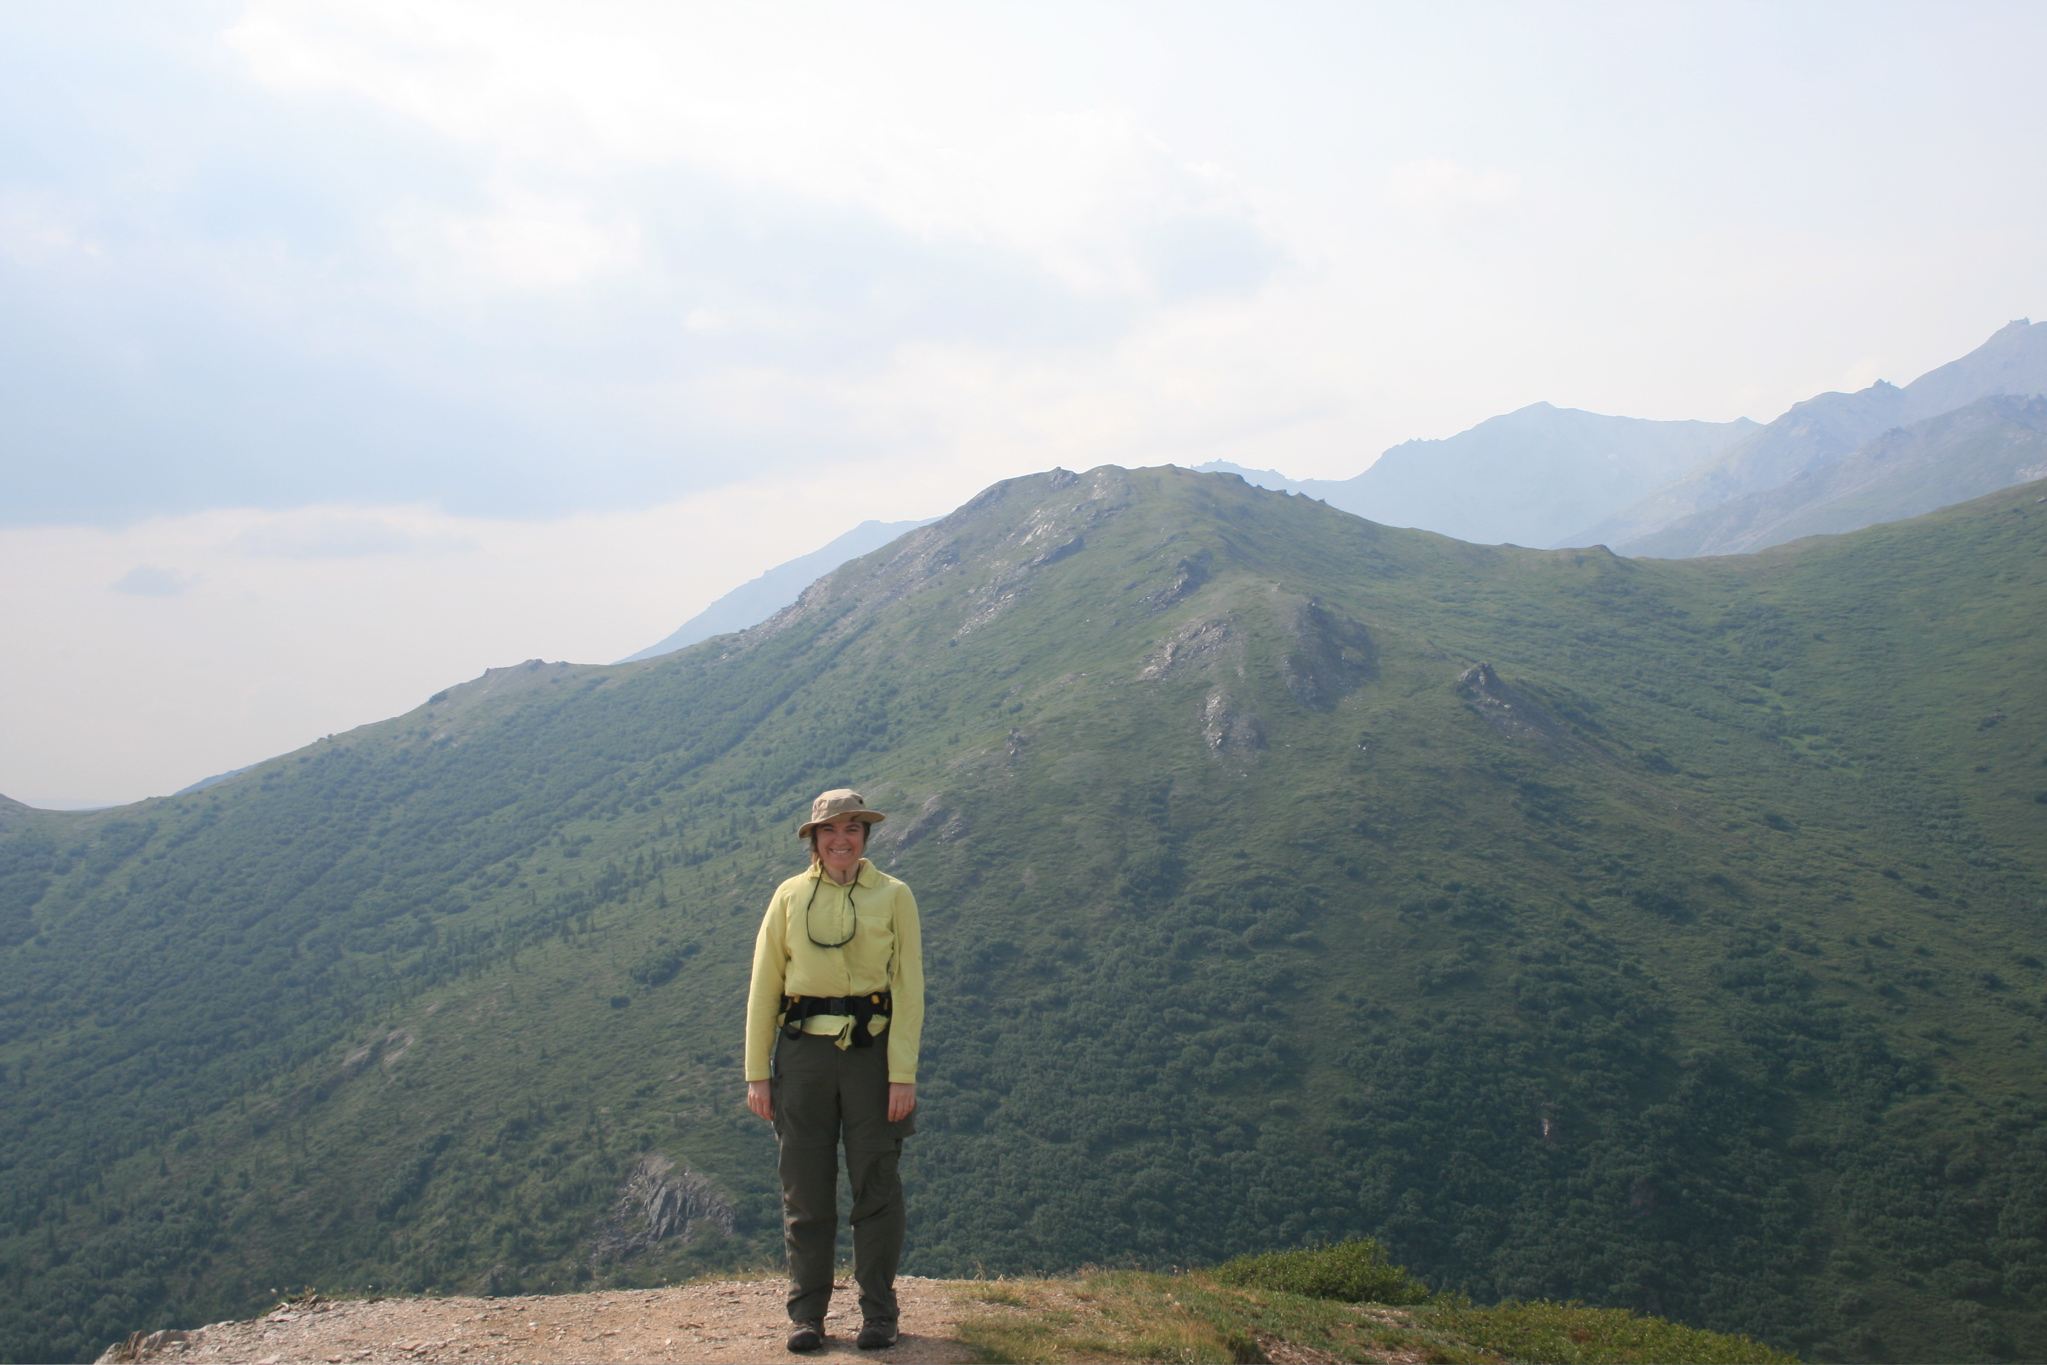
point(825, 1094)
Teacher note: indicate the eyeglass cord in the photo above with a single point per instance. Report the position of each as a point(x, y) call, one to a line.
point(852, 912)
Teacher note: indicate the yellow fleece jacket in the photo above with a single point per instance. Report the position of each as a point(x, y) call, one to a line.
point(885, 953)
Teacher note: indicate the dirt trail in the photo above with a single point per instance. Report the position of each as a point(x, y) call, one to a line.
point(729, 1322)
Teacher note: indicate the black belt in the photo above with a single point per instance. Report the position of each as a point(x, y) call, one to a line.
point(863, 1008)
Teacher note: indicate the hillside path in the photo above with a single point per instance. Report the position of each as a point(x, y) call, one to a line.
point(733, 1321)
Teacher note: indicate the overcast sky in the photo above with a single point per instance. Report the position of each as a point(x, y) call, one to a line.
point(347, 349)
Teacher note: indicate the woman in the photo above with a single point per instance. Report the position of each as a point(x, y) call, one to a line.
point(838, 998)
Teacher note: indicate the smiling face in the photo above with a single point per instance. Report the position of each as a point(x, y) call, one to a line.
point(840, 845)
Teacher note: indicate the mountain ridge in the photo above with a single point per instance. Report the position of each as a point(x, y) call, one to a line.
point(1829, 426)
point(1539, 467)
point(1679, 961)
point(1992, 443)
point(1562, 477)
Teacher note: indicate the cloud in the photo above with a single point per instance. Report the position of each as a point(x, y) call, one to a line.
point(1211, 253)
point(38, 227)
point(877, 112)
point(508, 260)
point(529, 242)
point(316, 534)
point(1443, 193)
point(146, 580)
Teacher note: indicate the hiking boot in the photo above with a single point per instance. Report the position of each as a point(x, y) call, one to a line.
point(876, 1334)
point(808, 1336)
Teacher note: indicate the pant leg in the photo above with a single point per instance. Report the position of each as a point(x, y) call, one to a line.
point(877, 1218)
point(874, 1149)
point(807, 1124)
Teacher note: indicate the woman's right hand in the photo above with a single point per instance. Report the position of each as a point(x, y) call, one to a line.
point(760, 1097)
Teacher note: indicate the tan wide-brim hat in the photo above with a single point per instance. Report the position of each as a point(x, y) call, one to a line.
point(837, 805)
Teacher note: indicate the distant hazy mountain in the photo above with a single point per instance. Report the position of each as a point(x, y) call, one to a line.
point(1824, 429)
point(753, 602)
point(1527, 477)
point(1992, 443)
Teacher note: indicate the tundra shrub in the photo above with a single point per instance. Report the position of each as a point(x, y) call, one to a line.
point(1355, 1271)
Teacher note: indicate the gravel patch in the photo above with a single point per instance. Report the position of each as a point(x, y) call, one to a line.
point(734, 1321)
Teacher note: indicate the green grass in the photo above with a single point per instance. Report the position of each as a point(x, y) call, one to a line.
point(1572, 1332)
point(1200, 1318)
point(1352, 1271)
point(1712, 990)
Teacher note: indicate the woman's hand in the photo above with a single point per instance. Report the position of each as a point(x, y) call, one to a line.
point(901, 1100)
point(760, 1097)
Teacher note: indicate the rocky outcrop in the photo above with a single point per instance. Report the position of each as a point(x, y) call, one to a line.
point(1188, 576)
point(1509, 711)
point(145, 1346)
point(1332, 655)
point(659, 1202)
point(1194, 646)
point(932, 820)
point(1228, 729)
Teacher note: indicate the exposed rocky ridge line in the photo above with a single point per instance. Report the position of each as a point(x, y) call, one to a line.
point(975, 533)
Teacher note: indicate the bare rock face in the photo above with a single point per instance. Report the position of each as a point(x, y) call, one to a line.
point(1228, 729)
point(1331, 657)
point(657, 1203)
point(145, 1345)
point(1509, 711)
point(1188, 576)
point(933, 820)
point(1195, 646)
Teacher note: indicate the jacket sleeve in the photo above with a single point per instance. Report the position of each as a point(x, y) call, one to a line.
point(906, 985)
point(764, 995)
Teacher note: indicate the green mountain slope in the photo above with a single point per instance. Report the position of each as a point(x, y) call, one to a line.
point(1684, 957)
point(1992, 443)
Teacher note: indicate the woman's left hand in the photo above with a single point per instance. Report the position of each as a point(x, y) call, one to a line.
point(901, 1100)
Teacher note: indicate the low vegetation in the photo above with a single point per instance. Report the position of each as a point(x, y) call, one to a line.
point(1353, 1271)
point(1293, 1308)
